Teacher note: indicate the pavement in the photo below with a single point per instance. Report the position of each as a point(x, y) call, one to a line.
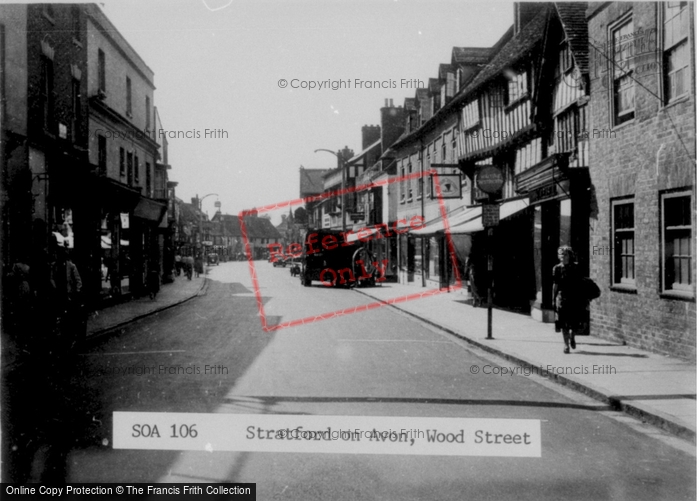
point(112, 318)
point(658, 389)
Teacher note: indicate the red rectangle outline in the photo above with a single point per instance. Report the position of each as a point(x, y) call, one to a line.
point(355, 309)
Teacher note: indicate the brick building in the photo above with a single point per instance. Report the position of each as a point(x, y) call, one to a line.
point(45, 169)
point(642, 147)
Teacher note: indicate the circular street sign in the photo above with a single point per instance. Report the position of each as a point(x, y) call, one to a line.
point(489, 179)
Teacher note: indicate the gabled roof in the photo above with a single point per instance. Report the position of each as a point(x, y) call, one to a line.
point(364, 152)
point(471, 55)
point(443, 70)
point(311, 181)
point(256, 227)
point(512, 52)
point(434, 85)
point(573, 19)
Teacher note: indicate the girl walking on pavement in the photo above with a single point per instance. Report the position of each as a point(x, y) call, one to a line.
point(567, 294)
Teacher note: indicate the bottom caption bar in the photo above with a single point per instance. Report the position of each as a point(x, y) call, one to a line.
point(128, 491)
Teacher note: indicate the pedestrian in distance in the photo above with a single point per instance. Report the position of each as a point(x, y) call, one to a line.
point(198, 265)
point(189, 266)
point(569, 297)
point(153, 282)
point(178, 264)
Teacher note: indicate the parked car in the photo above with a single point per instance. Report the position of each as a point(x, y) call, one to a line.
point(335, 263)
point(213, 259)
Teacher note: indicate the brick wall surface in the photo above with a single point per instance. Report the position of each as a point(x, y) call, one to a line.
point(642, 158)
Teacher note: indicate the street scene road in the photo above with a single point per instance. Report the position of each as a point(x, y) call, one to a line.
point(374, 363)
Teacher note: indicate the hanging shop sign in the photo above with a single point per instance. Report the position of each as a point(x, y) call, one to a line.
point(489, 179)
point(125, 220)
point(450, 186)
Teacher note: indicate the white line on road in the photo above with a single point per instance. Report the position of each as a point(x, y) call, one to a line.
point(393, 341)
point(132, 353)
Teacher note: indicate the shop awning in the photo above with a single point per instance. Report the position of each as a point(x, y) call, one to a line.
point(149, 209)
point(507, 209)
point(455, 217)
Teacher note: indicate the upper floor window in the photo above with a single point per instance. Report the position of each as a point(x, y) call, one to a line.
point(130, 168)
point(122, 162)
point(676, 50)
point(470, 114)
point(622, 72)
point(136, 170)
point(517, 86)
point(623, 242)
point(566, 60)
point(47, 93)
point(128, 96)
point(677, 241)
point(148, 112)
point(75, 21)
point(101, 74)
point(102, 154)
point(148, 179)
point(77, 112)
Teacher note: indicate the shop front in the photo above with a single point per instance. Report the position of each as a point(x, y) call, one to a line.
point(560, 201)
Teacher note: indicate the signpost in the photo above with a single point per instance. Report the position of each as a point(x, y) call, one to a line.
point(489, 179)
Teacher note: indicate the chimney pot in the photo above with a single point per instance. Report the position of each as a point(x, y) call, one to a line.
point(386, 103)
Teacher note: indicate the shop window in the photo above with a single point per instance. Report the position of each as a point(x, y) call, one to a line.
point(623, 242)
point(676, 70)
point(622, 72)
point(677, 242)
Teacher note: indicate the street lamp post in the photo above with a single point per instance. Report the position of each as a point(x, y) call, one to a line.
point(199, 200)
point(342, 186)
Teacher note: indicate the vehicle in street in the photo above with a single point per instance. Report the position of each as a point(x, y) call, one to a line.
point(295, 267)
point(213, 259)
point(328, 257)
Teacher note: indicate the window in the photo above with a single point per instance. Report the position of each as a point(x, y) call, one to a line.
point(75, 21)
point(623, 242)
point(129, 168)
point(677, 241)
point(102, 154)
point(676, 50)
point(402, 185)
point(517, 87)
point(136, 170)
point(566, 60)
point(148, 179)
point(622, 72)
point(410, 182)
point(470, 115)
point(128, 96)
point(77, 112)
point(122, 163)
point(101, 75)
point(47, 94)
point(148, 112)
